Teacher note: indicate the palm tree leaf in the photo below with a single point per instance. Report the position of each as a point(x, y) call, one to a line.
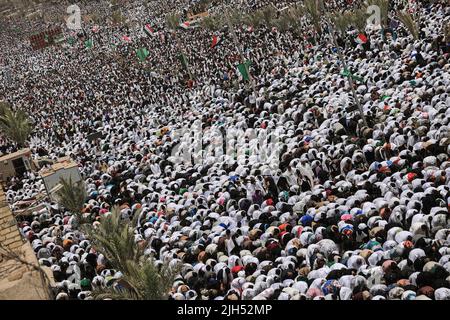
point(408, 22)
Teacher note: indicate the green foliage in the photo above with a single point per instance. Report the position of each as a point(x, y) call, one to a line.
point(72, 196)
point(408, 22)
point(142, 279)
point(254, 19)
point(117, 17)
point(212, 23)
point(282, 23)
point(173, 21)
point(358, 19)
point(313, 9)
point(268, 13)
point(236, 17)
point(14, 124)
point(341, 22)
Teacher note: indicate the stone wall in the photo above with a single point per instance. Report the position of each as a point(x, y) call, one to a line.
point(18, 280)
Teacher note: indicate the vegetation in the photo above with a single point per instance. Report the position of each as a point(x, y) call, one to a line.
point(72, 197)
point(117, 17)
point(313, 9)
point(212, 23)
point(142, 279)
point(408, 22)
point(15, 125)
point(172, 21)
point(358, 19)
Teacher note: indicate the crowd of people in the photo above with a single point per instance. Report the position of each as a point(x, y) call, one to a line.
point(344, 207)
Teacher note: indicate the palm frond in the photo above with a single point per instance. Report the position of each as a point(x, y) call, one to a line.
point(15, 125)
point(282, 23)
point(117, 17)
point(115, 239)
point(341, 22)
point(358, 19)
point(212, 23)
point(313, 9)
point(408, 22)
point(142, 279)
point(268, 13)
point(236, 17)
point(172, 21)
point(72, 196)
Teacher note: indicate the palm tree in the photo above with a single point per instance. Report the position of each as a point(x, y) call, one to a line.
point(268, 13)
point(233, 17)
point(254, 19)
point(15, 125)
point(358, 19)
point(282, 23)
point(212, 23)
point(408, 22)
point(72, 196)
point(313, 8)
point(341, 22)
point(172, 21)
point(117, 17)
point(295, 16)
point(142, 279)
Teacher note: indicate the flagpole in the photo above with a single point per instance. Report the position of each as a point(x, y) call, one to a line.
point(350, 80)
point(236, 43)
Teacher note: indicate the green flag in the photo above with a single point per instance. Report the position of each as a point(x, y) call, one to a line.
point(71, 40)
point(183, 60)
point(347, 73)
point(89, 43)
point(243, 69)
point(142, 54)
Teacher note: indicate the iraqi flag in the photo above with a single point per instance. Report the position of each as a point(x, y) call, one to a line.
point(215, 41)
point(148, 30)
point(185, 25)
point(361, 39)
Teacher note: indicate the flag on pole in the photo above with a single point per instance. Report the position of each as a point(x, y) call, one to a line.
point(185, 25)
point(361, 39)
point(243, 69)
point(148, 30)
point(89, 43)
point(142, 54)
point(347, 73)
point(183, 60)
point(215, 41)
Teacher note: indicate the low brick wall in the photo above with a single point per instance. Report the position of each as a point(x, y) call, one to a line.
point(18, 280)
